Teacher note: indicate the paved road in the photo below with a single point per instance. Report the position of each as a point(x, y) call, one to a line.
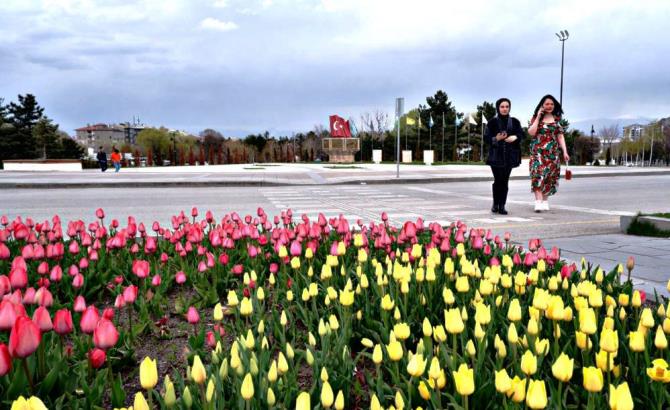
point(584, 206)
point(584, 219)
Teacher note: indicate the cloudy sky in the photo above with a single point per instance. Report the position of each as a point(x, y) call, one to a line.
point(243, 66)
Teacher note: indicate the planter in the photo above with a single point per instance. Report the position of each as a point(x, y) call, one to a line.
point(659, 223)
point(406, 157)
point(428, 157)
point(377, 156)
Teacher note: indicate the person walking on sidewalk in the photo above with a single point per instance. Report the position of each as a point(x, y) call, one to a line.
point(503, 136)
point(102, 160)
point(545, 159)
point(116, 159)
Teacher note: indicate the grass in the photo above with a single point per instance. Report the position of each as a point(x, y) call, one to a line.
point(254, 167)
point(642, 228)
point(661, 215)
point(342, 167)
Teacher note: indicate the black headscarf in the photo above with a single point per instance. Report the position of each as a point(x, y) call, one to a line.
point(504, 121)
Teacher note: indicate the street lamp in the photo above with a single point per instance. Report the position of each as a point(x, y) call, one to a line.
point(593, 131)
point(562, 36)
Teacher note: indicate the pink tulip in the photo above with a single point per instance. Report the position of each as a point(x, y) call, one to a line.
point(42, 319)
point(130, 294)
point(99, 213)
point(4, 251)
point(141, 268)
point(180, 277)
point(7, 315)
point(119, 302)
point(56, 273)
point(43, 297)
point(29, 296)
point(18, 278)
point(105, 334)
point(108, 314)
point(192, 316)
point(89, 320)
point(156, 280)
point(24, 338)
point(79, 304)
point(78, 281)
point(62, 323)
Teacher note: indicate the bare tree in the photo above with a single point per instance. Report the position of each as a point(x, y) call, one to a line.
point(609, 134)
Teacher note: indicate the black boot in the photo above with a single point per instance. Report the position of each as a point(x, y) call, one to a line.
point(494, 208)
point(502, 199)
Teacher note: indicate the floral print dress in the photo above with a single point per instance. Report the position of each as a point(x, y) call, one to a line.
point(545, 161)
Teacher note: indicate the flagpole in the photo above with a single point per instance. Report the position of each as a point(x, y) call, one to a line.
point(418, 141)
point(456, 137)
point(443, 137)
point(481, 151)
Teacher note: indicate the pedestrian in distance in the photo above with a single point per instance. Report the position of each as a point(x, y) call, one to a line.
point(116, 159)
point(504, 136)
point(102, 159)
point(545, 158)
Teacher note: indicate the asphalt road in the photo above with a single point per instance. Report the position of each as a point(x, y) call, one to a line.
point(582, 207)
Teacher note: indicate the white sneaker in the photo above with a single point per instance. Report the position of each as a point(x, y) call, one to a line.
point(545, 205)
point(538, 206)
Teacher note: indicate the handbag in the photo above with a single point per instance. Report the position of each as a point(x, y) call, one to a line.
point(568, 173)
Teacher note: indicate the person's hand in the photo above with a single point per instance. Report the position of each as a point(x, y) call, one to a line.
point(540, 115)
point(566, 157)
point(510, 139)
point(501, 136)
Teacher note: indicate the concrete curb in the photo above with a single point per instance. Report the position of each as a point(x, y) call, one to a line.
point(662, 224)
point(275, 183)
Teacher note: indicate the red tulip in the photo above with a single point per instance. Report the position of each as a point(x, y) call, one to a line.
point(5, 286)
point(108, 314)
point(4, 251)
point(210, 339)
point(89, 320)
point(99, 213)
point(63, 322)
point(192, 316)
point(156, 280)
point(24, 339)
point(43, 297)
point(29, 296)
point(105, 334)
point(42, 319)
point(97, 358)
point(5, 360)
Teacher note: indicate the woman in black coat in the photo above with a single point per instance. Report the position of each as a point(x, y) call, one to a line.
point(503, 136)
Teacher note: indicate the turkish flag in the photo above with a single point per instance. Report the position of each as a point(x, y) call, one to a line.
point(339, 127)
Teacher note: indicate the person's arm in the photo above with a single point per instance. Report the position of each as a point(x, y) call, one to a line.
point(518, 132)
point(535, 123)
point(564, 148)
point(489, 138)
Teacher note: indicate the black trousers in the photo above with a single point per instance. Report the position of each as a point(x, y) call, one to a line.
point(500, 184)
point(103, 165)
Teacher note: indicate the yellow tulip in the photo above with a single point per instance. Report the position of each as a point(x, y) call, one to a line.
point(464, 379)
point(636, 341)
point(401, 331)
point(462, 284)
point(470, 348)
point(514, 311)
point(247, 388)
point(620, 398)
point(427, 328)
point(434, 370)
point(536, 398)
point(148, 373)
point(424, 390)
point(518, 390)
point(140, 403)
point(592, 379)
point(512, 335)
point(246, 307)
point(170, 398)
point(503, 381)
point(659, 371)
point(346, 298)
point(647, 318)
point(303, 402)
point(377, 354)
point(533, 327)
point(416, 365)
point(394, 350)
point(482, 314)
point(528, 363)
point(387, 303)
point(339, 401)
point(282, 364)
point(32, 403)
point(453, 321)
point(660, 341)
point(601, 361)
point(198, 373)
point(583, 340)
point(562, 368)
point(327, 395)
point(637, 299)
point(609, 340)
point(587, 321)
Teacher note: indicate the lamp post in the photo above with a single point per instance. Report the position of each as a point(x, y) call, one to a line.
point(593, 131)
point(174, 149)
point(562, 36)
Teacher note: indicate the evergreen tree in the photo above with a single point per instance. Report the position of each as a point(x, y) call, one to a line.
point(24, 115)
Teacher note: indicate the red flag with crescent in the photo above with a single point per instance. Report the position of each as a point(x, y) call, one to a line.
point(339, 127)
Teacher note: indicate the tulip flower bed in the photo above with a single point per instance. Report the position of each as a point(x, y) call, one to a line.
point(252, 312)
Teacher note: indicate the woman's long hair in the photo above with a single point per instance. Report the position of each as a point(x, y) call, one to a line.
point(558, 110)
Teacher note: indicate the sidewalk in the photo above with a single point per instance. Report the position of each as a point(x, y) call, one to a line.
point(652, 256)
point(284, 174)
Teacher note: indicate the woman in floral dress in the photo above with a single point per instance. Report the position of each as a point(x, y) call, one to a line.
point(545, 160)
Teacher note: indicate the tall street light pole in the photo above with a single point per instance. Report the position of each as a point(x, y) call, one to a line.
point(562, 36)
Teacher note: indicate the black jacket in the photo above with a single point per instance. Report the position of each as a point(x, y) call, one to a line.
point(501, 153)
point(102, 156)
